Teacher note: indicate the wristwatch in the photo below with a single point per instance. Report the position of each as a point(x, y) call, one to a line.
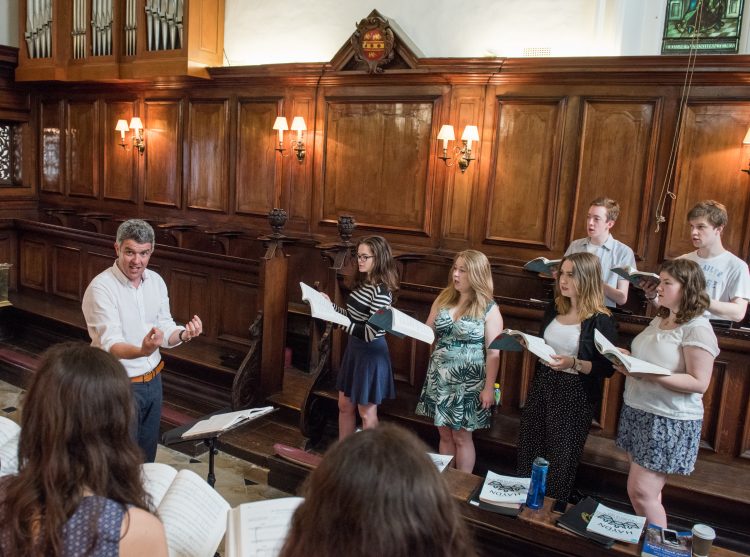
point(577, 365)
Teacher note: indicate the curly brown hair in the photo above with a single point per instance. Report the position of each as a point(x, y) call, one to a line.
point(694, 300)
point(375, 494)
point(75, 439)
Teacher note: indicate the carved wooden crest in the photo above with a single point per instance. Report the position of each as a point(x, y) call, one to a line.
point(373, 42)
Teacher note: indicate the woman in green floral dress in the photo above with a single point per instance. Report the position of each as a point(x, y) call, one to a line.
point(458, 390)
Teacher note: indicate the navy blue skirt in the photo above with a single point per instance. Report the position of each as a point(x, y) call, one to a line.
point(365, 375)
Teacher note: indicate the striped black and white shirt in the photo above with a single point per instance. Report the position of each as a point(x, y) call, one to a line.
point(361, 304)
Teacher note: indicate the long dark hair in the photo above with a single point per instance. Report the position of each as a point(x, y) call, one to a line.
point(384, 267)
point(694, 298)
point(75, 440)
point(377, 494)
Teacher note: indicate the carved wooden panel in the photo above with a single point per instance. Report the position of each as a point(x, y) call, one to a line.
point(208, 144)
point(460, 186)
point(82, 149)
point(712, 403)
point(189, 294)
point(525, 166)
point(709, 159)
point(376, 163)
point(51, 147)
point(258, 165)
point(67, 269)
point(120, 164)
point(744, 451)
point(96, 263)
point(33, 265)
point(162, 180)
point(297, 176)
point(616, 157)
point(236, 309)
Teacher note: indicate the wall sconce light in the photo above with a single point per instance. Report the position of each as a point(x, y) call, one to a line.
point(745, 142)
point(297, 145)
point(461, 154)
point(137, 126)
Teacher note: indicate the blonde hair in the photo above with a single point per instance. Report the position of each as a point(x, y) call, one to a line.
point(480, 279)
point(587, 274)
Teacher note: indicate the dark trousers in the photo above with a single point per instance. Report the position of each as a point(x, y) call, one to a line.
point(147, 398)
point(554, 424)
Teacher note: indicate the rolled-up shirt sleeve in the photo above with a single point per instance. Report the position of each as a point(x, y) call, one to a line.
point(102, 317)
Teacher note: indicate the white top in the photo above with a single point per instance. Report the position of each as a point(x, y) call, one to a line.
point(563, 338)
point(611, 253)
point(664, 348)
point(727, 277)
point(116, 311)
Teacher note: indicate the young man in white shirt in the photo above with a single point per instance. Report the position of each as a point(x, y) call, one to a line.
point(601, 217)
point(727, 276)
point(126, 308)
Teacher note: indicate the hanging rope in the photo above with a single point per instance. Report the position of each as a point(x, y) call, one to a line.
point(684, 96)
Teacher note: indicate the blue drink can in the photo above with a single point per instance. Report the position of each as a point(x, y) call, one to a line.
point(538, 485)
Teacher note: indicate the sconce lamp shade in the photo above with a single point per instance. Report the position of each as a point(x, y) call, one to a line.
point(471, 133)
point(298, 124)
point(280, 124)
point(446, 133)
point(135, 123)
point(746, 141)
point(122, 126)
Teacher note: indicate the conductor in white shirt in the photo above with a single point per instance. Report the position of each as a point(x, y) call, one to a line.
point(126, 308)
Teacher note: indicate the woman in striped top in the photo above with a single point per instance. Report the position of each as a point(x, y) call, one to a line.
point(365, 377)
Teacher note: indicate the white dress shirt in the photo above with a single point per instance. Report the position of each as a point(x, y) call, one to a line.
point(611, 253)
point(116, 311)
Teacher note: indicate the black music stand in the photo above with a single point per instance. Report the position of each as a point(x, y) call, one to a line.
point(175, 436)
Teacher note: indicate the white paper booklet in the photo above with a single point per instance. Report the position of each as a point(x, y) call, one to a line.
point(193, 513)
point(631, 363)
point(222, 422)
point(510, 339)
point(616, 525)
point(400, 324)
point(259, 529)
point(499, 489)
point(9, 433)
point(441, 460)
point(321, 307)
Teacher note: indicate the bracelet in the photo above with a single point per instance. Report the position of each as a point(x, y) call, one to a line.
point(180, 336)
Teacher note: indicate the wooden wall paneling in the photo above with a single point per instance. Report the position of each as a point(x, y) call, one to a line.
point(120, 164)
point(51, 142)
point(208, 142)
point(67, 271)
point(713, 399)
point(296, 192)
point(376, 163)
point(258, 167)
point(97, 262)
point(189, 295)
point(524, 181)
point(82, 148)
point(459, 197)
point(236, 308)
point(33, 272)
point(162, 160)
point(744, 437)
point(708, 163)
point(8, 254)
point(616, 159)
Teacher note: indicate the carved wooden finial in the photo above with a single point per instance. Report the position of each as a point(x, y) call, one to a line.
point(346, 226)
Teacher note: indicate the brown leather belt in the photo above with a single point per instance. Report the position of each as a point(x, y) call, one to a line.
point(148, 376)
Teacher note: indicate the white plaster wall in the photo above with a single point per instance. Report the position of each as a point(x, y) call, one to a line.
point(279, 31)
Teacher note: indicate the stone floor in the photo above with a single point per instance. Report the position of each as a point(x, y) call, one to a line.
point(237, 481)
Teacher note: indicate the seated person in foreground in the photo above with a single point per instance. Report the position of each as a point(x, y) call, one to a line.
point(727, 276)
point(377, 494)
point(78, 490)
point(600, 219)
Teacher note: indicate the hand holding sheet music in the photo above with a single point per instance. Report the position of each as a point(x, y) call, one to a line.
point(516, 341)
point(398, 323)
point(321, 307)
point(630, 363)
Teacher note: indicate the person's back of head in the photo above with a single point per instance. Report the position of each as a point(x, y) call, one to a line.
point(377, 493)
point(75, 440)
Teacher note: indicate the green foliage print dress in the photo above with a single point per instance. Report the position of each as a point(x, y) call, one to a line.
point(456, 374)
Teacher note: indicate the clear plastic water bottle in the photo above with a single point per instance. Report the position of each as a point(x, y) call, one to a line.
point(498, 395)
point(538, 486)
